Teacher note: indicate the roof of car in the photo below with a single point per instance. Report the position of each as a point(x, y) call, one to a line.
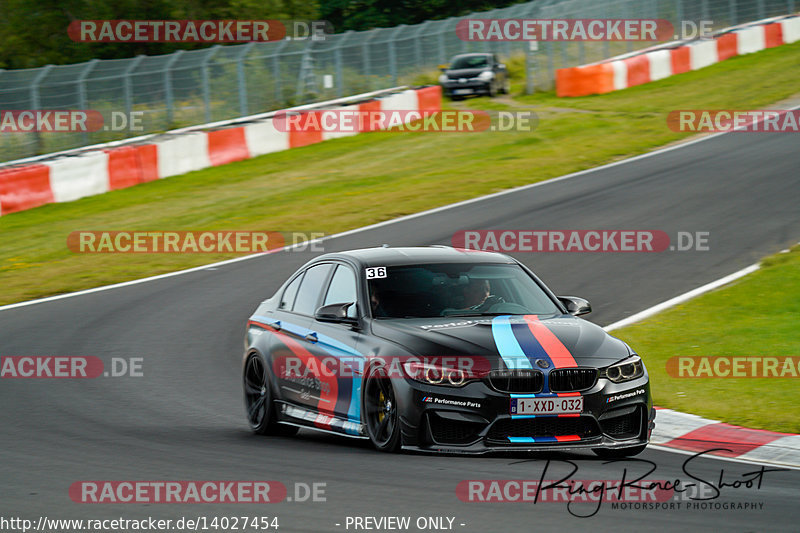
point(389, 256)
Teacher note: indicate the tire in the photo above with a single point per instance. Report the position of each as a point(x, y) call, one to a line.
point(619, 453)
point(381, 415)
point(492, 89)
point(506, 87)
point(258, 404)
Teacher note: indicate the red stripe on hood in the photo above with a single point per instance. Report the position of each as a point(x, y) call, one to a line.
point(554, 347)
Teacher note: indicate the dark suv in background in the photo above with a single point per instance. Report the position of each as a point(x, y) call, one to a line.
point(470, 74)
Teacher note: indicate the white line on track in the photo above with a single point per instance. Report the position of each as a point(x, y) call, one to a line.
point(661, 448)
point(641, 315)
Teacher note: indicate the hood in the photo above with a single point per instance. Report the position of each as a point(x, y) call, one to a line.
point(564, 340)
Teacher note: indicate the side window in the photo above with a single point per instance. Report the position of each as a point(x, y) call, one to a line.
point(311, 289)
point(343, 289)
point(287, 300)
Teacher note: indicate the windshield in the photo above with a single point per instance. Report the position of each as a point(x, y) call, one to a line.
point(457, 289)
point(469, 62)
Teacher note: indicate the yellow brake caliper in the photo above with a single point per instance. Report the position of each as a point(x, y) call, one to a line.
point(382, 401)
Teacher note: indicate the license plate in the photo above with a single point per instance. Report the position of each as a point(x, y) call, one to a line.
point(572, 405)
point(462, 91)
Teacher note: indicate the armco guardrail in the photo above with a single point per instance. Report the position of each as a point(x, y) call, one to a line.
point(347, 100)
point(106, 168)
point(661, 62)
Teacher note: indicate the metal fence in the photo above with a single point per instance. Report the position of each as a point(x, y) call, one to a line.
point(222, 82)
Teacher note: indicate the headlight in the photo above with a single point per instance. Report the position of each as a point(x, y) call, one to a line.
point(486, 75)
point(627, 370)
point(443, 78)
point(439, 375)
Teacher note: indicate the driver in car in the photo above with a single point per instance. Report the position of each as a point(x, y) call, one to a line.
point(476, 293)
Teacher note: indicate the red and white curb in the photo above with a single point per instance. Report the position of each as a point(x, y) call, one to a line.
point(693, 433)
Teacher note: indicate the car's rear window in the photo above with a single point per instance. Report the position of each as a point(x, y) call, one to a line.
point(457, 289)
point(311, 288)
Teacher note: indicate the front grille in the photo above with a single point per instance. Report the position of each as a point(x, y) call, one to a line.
point(572, 379)
point(516, 381)
point(623, 425)
point(466, 75)
point(446, 431)
point(549, 426)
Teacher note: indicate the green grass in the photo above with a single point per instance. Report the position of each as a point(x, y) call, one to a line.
point(350, 182)
point(755, 316)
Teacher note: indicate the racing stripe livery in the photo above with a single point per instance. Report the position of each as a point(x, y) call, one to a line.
point(392, 354)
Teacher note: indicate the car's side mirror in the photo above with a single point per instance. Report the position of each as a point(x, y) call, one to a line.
point(336, 313)
point(576, 306)
point(501, 66)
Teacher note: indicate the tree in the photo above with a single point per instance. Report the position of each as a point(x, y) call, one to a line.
point(34, 33)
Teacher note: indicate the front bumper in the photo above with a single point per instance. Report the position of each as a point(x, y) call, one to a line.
point(469, 86)
point(476, 419)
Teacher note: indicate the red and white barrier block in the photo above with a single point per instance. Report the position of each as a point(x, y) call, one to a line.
point(654, 64)
point(64, 179)
point(693, 433)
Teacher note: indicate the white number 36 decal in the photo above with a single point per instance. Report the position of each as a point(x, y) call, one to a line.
point(376, 272)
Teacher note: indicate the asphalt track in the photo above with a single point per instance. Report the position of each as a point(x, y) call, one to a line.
point(184, 419)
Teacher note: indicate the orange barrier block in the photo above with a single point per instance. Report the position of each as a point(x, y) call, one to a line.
point(226, 146)
point(131, 165)
point(305, 136)
point(123, 168)
point(147, 155)
point(727, 46)
point(638, 70)
point(583, 81)
point(681, 60)
point(429, 98)
point(24, 188)
point(773, 35)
